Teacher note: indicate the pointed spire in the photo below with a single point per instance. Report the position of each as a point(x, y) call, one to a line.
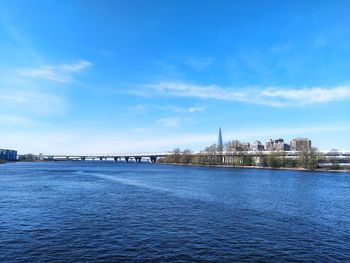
point(220, 143)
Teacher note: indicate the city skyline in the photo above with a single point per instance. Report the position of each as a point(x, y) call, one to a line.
point(87, 76)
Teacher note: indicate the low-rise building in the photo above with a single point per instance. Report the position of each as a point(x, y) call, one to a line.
point(257, 146)
point(269, 145)
point(300, 144)
point(280, 145)
point(245, 146)
point(29, 157)
point(8, 155)
point(277, 145)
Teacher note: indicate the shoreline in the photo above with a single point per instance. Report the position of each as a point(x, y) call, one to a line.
point(228, 166)
point(260, 167)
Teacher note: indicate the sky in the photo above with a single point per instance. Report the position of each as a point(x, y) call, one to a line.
point(144, 76)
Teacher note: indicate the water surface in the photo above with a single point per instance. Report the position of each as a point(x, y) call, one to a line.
point(108, 212)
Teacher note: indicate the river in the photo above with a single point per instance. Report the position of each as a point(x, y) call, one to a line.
point(113, 212)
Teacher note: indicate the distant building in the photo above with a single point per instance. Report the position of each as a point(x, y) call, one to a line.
point(220, 142)
point(286, 147)
point(269, 145)
point(280, 145)
point(236, 145)
point(300, 144)
point(8, 155)
point(244, 146)
point(277, 145)
point(257, 146)
point(29, 157)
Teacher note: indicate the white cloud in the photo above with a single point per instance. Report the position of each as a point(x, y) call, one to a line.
point(309, 95)
point(177, 109)
point(169, 122)
point(14, 120)
point(46, 73)
point(138, 109)
point(83, 64)
point(59, 73)
point(272, 96)
point(32, 102)
point(194, 109)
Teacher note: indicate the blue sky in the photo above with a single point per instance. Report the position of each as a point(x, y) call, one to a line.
point(131, 76)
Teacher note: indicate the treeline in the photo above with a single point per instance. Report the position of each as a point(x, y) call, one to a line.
point(236, 155)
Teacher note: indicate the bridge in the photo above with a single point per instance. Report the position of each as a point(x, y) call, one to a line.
point(223, 157)
point(136, 157)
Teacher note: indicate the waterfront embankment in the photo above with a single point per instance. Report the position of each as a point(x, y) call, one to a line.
point(311, 160)
point(259, 167)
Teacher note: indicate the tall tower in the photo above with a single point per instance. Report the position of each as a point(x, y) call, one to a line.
point(220, 143)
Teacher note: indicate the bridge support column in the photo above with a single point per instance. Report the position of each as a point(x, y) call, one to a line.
point(153, 159)
point(101, 159)
point(126, 159)
point(138, 159)
point(116, 159)
point(83, 159)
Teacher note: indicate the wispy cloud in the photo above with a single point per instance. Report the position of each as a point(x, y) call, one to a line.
point(147, 108)
point(14, 120)
point(60, 73)
point(32, 101)
point(169, 122)
point(272, 96)
point(193, 109)
point(178, 109)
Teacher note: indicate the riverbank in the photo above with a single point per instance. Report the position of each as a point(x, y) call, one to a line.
point(22, 161)
point(260, 167)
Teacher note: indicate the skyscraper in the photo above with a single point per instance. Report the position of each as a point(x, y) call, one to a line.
point(220, 143)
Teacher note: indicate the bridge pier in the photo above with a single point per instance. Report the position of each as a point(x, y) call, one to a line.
point(101, 158)
point(116, 159)
point(83, 159)
point(153, 159)
point(126, 159)
point(138, 159)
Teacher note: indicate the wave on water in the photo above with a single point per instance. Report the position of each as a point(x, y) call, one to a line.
point(182, 193)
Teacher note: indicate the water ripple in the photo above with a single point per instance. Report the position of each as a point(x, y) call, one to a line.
point(106, 212)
